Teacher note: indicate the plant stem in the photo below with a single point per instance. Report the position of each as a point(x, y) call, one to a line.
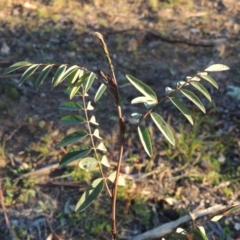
point(121, 135)
point(115, 187)
point(93, 143)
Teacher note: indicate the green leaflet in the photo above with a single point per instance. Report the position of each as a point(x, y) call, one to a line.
point(101, 147)
point(182, 108)
point(58, 75)
point(71, 70)
point(96, 134)
point(16, 66)
point(144, 99)
point(90, 195)
point(205, 76)
point(73, 77)
point(192, 97)
point(142, 87)
point(217, 68)
point(70, 106)
point(88, 163)
point(43, 75)
point(100, 92)
point(77, 85)
point(73, 137)
point(93, 120)
point(145, 140)
point(202, 89)
point(163, 127)
point(72, 119)
point(72, 156)
point(88, 83)
point(121, 179)
point(89, 106)
point(105, 161)
point(28, 73)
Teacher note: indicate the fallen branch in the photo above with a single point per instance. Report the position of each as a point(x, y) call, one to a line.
point(169, 227)
point(44, 171)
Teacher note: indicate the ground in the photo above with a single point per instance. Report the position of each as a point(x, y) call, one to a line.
point(159, 42)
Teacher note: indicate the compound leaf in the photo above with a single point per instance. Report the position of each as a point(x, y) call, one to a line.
point(145, 140)
point(73, 137)
point(163, 127)
point(43, 75)
point(16, 66)
point(142, 87)
point(192, 97)
point(72, 156)
point(90, 195)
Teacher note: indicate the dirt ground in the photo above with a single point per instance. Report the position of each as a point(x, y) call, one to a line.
point(159, 42)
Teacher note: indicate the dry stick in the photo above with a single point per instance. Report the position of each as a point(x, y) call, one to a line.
point(121, 135)
point(169, 227)
point(52, 230)
point(12, 234)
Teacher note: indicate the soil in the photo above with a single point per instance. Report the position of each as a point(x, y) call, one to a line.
point(159, 42)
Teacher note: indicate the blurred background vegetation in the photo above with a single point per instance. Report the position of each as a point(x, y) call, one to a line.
point(159, 42)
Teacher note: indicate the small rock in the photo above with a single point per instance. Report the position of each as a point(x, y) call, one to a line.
point(221, 158)
point(5, 49)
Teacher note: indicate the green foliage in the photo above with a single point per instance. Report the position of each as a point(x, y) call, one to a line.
point(91, 153)
point(24, 191)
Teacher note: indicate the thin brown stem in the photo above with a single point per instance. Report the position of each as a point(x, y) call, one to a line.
point(121, 136)
point(93, 143)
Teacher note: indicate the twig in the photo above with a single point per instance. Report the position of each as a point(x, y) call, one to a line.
point(12, 234)
point(44, 171)
point(168, 227)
